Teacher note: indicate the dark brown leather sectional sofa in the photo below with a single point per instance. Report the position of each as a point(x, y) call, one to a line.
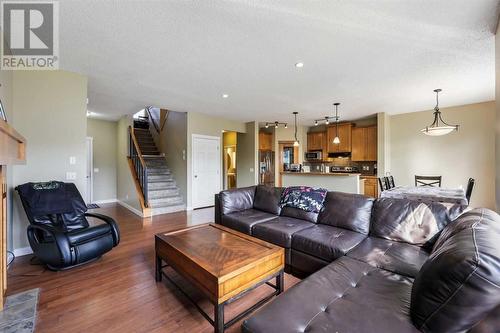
point(385, 265)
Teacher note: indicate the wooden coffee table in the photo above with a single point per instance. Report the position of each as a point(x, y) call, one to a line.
point(222, 263)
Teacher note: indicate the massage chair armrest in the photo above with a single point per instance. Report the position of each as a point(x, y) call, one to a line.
point(111, 222)
point(60, 240)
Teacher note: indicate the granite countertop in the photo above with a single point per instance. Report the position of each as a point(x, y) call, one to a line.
point(344, 174)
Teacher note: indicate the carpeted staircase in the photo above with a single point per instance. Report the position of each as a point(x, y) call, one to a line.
point(163, 193)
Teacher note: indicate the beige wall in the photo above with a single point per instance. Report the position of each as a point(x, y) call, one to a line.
point(173, 142)
point(203, 124)
point(247, 156)
point(383, 144)
point(104, 134)
point(125, 190)
point(6, 97)
point(497, 127)
point(456, 156)
point(50, 112)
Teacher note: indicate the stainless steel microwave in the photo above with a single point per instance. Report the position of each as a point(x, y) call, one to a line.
point(314, 155)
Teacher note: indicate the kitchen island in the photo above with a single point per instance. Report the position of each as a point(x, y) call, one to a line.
point(340, 182)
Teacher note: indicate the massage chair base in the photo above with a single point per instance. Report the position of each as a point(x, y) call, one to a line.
point(57, 269)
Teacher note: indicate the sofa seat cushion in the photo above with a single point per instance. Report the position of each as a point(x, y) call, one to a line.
point(326, 242)
point(345, 296)
point(244, 220)
point(280, 230)
point(399, 258)
point(84, 235)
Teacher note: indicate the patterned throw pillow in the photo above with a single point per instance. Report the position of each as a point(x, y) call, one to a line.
point(303, 197)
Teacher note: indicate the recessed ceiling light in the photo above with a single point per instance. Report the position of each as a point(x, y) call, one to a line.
point(225, 95)
point(299, 65)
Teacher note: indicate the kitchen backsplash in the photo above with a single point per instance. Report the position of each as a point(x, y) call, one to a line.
point(368, 168)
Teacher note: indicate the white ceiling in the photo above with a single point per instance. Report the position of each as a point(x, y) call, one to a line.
point(372, 56)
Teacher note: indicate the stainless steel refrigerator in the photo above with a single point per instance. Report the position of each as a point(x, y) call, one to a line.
point(266, 167)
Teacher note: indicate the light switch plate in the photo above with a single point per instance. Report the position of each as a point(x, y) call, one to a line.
point(96, 170)
point(70, 175)
point(72, 160)
point(251, 169)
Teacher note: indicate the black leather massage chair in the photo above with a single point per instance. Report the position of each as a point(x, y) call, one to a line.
point(59, 233)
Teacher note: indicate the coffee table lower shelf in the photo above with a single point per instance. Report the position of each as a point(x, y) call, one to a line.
point(218, 321)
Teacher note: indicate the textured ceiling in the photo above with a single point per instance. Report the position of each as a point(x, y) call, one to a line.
point(372, 56)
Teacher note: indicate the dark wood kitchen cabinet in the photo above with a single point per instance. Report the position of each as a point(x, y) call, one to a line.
point(364, 144)
point(371, 186)
point(265, 141)
point(344, 133)
point(316, 141)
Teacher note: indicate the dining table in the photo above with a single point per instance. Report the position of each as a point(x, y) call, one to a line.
point(427, 194)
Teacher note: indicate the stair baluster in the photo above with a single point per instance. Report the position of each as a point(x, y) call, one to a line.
point(141, 169)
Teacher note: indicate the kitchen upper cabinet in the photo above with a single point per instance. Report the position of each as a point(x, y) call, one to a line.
point(344, 133)
point(316, 141)
point(265, 141)
point(364, 144)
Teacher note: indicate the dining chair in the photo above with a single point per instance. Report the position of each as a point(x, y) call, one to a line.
point(391, 182)
point(431, 181)
point(382, 181)
point(468, 191)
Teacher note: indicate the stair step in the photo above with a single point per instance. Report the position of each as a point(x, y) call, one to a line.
point(162, 185)
point(168, 209)
point(147, 146)
point(168, 201)
point(163, 193)
point(156, 172)
point(160, 177)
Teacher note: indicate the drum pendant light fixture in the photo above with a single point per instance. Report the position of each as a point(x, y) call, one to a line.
point(296, 142)
point(439, 126)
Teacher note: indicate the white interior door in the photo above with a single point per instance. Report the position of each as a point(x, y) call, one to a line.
point(89, 179)
point(206, 170)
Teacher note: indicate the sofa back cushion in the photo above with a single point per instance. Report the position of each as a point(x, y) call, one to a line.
point(459, 284)
point(299, 214)
point(236, 200)
point(411, 221)
point(348, 211)
point(267, 199)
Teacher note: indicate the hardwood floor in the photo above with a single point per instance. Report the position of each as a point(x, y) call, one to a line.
point(118, 293)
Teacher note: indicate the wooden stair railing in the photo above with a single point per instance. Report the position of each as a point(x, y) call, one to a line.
point(139, 167)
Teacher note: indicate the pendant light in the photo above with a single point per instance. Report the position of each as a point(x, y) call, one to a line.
point(296, 142)
point(336, 139)
point(439, 126)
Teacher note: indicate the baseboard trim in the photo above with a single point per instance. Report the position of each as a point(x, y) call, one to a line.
point(106, 201)
point(189, 208)
point(22, 251)
point(132, 209)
